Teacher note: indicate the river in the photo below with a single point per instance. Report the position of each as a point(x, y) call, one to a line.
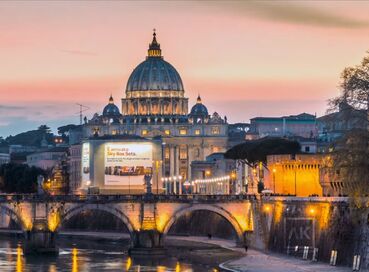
point(97, 254)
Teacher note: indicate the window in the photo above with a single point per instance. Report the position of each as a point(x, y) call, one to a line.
point(183, 131)
point(144, 132)
point(197, 132)
point(215, 149)
point(215, 130)
point(307, 148)
point(183, 153)
point(167, 132)
point(167, 153)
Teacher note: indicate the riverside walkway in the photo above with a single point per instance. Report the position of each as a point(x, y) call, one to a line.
point(257, 261)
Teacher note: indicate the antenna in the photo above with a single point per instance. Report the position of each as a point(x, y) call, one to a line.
point(82, 108)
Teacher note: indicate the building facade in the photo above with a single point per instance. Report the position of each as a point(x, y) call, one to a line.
point(301, 125)
point(155, 106)
point(47, 159)
point(294, 175)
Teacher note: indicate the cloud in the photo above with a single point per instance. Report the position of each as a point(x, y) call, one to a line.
point(78, 52)
point(10, 107)
point(295, 13)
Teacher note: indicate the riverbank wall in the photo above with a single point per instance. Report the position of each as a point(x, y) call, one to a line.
point(294, 225)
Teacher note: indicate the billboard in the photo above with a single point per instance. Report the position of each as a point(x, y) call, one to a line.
point(127, 163)
point(85, 163)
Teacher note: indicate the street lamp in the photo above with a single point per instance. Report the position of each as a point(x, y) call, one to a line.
point(187, 185)
point(294, 167)
point(180, 184)
point(157, 165)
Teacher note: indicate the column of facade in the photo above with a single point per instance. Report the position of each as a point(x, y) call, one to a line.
point(176, 170)
point(171, 171)
point(190, 149)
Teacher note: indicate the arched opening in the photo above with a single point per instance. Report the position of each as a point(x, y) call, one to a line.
point(200, 221)
point(93, 220)
point(203, 223)
point(92, 227)
point(10, 220)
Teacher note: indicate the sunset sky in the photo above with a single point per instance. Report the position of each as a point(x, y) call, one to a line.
point(246, 59)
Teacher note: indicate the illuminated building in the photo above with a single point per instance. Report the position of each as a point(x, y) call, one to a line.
point(215, 175)
point(117, 164)
point(155, 106)
point(295, 175)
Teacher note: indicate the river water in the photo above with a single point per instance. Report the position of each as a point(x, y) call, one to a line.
point(80, 255)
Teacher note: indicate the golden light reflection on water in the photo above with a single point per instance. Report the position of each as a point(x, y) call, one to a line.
point(74, 260)
point(129, 263)
point(52, 268)
point(161, 269)
point(19, 259)
point(178, 267)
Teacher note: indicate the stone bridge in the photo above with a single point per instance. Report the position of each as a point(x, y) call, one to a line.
point(147, 217)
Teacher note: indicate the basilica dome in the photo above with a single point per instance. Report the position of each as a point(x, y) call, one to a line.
point(199, 109)
point(154, 74)
point(111, 110)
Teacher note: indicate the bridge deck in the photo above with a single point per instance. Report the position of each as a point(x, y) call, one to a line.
point(126, 198)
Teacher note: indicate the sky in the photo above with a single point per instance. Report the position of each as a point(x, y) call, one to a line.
point(245, 59)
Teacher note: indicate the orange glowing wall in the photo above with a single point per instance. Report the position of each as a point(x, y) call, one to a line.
point(299, 176)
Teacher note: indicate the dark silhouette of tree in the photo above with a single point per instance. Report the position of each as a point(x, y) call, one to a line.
point(252, 152)
point(350, 155)
point(31, 137)
point(19, 178)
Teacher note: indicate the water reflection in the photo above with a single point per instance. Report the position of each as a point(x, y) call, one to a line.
point(129, 263)
point(74, 260)
point(178, 267)
point(78, 255)
point(19, 265)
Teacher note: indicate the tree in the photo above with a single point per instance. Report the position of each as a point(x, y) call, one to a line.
point(350, 156)
point(252, 152)
point(19, 178)
point(64, 130)
point(32, 137)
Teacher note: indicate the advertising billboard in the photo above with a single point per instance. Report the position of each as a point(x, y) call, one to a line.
point(85, 163)
point(127, 163)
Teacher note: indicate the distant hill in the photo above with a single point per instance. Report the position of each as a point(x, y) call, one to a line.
point(31, 138)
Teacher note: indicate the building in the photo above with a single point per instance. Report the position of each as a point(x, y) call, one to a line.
point(302, 125)
point(333, 126)
point(155, 106)
point(118, 164)
point(75, 153)
point(48, 158)
point(294, 175)
point(4, 158)
point(215, 175)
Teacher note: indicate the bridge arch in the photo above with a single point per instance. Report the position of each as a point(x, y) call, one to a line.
point(213, 208)
point(15, 216)
point(91, 207)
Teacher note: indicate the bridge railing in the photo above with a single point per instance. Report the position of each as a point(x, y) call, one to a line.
point(120, 198)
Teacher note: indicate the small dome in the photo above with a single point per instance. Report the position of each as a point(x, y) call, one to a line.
point(199, 109)
point(154, 74)
point(111, 110)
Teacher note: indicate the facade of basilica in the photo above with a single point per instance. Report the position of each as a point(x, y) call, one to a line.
point(155, 107)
